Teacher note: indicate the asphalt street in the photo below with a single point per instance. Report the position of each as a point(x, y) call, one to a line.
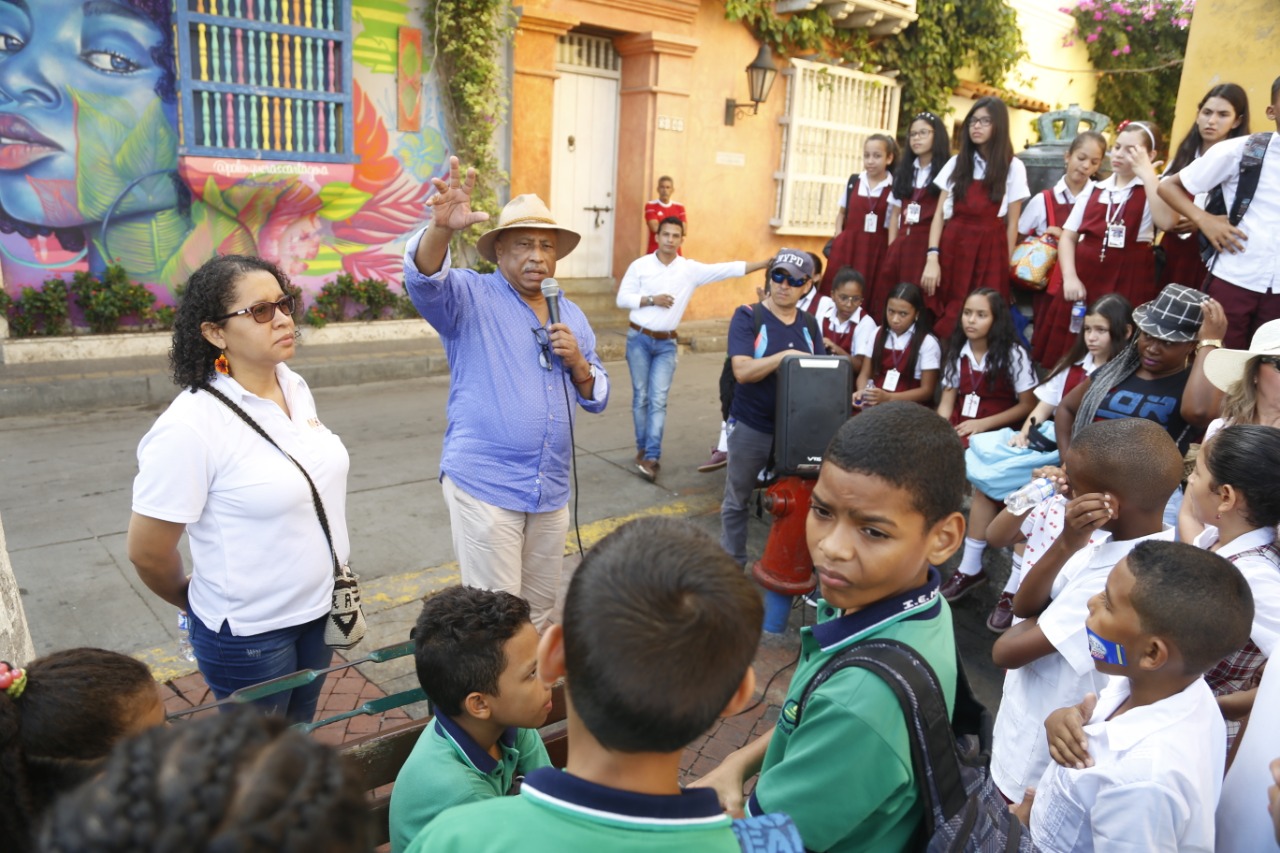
point(67, 482)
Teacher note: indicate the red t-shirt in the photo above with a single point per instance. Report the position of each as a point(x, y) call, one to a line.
point(656, 211)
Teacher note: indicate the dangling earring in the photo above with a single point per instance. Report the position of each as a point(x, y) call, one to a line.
point(221, 364)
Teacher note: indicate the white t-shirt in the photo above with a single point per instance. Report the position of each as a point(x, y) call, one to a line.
point(1107, 194)
point(649, 276)
point(1243, 824)
point(1257, 268)
point(1020, 752)
point(1035, 217)
point(1015, 185)
point(1023, 372)
point(1263, 577)
point(259, 557)
point(1154, 783)
point(930, 357)
point(1050, 391)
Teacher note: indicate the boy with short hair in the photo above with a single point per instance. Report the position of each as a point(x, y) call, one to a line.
point(660, 627)
point(476, 656)
point(1121, 473)
point(885, 510)
point(1144, 763)
point(1246, 273)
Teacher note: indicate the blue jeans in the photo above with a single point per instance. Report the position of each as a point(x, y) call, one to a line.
point(653, 364)
point(229, 663)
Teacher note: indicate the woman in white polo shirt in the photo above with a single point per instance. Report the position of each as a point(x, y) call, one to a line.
point(262, 570)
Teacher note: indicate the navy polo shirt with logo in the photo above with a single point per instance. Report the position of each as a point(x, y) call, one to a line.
point(844, 773)
point(557, 812)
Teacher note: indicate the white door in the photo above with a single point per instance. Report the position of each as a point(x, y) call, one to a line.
point(584, 151)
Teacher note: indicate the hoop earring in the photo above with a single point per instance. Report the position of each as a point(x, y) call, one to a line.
point(221, 364)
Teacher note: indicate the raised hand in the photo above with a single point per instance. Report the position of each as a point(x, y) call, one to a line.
point(451, 203)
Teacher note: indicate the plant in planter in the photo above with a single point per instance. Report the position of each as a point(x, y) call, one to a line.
point(345, 298)
point(42, 311)
point(107, 301)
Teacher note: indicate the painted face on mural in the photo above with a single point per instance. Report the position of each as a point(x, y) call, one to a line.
point(67, 67)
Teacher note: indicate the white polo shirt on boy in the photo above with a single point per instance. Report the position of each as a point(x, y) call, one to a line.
point(1019, 751)
point(240, 498)
point(1154, 784)
point(1244, 826)
point(1257, 268)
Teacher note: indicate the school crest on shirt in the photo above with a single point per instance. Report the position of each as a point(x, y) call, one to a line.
point(787, 718)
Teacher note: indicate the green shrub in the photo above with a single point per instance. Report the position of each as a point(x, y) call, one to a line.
point(107, 301)
point(41, 311)
point(366, 299)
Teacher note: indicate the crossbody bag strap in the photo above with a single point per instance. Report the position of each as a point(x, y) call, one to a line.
point(1050, 215)
point(315, 493)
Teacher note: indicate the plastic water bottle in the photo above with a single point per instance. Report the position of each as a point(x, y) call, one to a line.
point(185, 650)
point(1029, 495)
point(1077, 317)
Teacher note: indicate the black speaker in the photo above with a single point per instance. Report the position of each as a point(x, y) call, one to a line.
point(814, 394)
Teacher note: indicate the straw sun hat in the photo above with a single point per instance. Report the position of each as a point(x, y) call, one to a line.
point(527, 211)
point(1225, 367)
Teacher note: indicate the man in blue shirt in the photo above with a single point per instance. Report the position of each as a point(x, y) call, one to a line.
point(758, 344)
point(514, 382)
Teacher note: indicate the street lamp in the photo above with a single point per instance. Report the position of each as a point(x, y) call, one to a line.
point(760, 75)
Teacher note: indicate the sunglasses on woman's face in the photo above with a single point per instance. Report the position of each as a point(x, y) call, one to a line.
point(263, 312)
point(1273, 360)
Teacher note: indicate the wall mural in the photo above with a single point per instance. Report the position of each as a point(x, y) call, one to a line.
point(90, 171)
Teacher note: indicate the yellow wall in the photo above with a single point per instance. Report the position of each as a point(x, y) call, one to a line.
point(1231, 41)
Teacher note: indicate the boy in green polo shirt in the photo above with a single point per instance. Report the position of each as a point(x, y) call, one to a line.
point(884, 512)
point(476, 656)
point(660, 626)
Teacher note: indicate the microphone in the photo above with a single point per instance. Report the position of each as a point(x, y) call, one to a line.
point(551, 293)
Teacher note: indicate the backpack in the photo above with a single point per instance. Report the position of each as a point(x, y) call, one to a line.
point(727, 380)
point(1255, 150)
point(963, 811)
point(767, 833)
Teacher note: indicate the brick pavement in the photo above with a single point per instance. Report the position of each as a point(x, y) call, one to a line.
point(342, 691)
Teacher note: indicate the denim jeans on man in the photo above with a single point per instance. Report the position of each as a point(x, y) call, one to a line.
point(229, 663)
point(653, 364)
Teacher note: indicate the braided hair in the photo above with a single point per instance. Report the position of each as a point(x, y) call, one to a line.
point(236, 782)
point(77, 704)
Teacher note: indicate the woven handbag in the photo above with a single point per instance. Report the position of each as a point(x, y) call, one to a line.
point(1034, 258)
point(345, 626)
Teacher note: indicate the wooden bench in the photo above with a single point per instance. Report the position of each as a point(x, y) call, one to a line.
point(380, 756)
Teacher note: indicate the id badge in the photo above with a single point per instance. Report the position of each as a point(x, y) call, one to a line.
point(1115, 236)
point(913, 214)
point(870, 223)
point(970, 407)
point(890, 383)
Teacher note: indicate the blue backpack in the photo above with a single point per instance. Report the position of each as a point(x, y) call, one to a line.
point(963, 811)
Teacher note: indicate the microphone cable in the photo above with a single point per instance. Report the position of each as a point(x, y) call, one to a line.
point(573, 454)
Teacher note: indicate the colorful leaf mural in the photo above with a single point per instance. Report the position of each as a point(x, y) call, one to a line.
point(375, 47)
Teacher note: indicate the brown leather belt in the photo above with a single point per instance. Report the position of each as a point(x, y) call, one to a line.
point(657, 336)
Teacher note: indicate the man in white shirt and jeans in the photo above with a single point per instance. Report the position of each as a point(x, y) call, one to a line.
point(656, 290)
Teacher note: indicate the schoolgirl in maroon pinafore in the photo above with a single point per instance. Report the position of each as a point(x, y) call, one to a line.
point(900, 349)
point(987, 378)
point(986, 186)
point(912, 206)
point(1106, 242)
point(1223, 114)
point(863, 236)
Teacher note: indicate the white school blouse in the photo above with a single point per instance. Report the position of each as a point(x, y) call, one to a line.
point(1015, 185)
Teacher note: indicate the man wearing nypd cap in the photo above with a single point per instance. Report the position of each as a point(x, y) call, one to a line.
point(785, 331)
point(516, 381)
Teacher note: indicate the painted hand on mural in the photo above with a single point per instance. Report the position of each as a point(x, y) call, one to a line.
point(451, 205)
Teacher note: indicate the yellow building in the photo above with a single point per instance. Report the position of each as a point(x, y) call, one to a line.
point(1231, 41)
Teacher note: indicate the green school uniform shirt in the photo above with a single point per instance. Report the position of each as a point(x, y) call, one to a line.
point(557, 812)
point(844, 773)
point(447, 768)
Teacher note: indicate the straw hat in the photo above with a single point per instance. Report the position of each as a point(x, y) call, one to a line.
point(1225, 367)
point(527, 211)
point(1174, 315)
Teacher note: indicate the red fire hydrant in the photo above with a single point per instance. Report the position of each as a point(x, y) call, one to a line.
point(785, 570)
